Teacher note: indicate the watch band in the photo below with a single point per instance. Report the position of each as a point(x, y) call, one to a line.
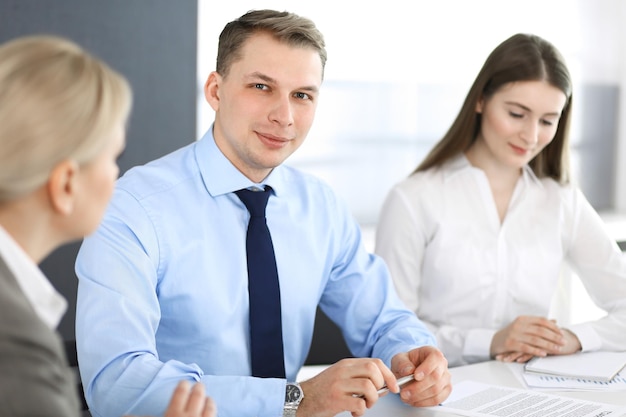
point(290, 411)
point(293, 397)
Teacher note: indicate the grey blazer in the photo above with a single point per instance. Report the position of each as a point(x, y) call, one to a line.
point(35, 379)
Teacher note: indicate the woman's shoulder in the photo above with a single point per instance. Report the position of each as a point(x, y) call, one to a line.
point(417, 183)
point(569, 195)
point(433, 178)
point(565, 190)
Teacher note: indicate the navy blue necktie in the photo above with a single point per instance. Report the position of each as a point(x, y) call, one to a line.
point(266, 335)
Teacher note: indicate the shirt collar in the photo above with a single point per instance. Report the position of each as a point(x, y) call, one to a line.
point(528, 175)
point(455, 166)
point(220, 176)
point(48, 304)
point(460, 163)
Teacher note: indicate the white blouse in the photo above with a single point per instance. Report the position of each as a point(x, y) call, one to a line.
point(48, 304)
point(467, 275)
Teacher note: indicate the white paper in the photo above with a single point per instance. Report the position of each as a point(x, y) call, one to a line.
point(546, 382)
point(470, 398)
point(599, 366)
point(543, 381)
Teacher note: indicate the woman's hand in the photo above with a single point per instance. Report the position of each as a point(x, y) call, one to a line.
point(529, 336)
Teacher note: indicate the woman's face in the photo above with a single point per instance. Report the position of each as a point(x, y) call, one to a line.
point(96, 182)
point(518, 121)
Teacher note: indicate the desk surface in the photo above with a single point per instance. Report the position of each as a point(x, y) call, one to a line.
point(493, 372)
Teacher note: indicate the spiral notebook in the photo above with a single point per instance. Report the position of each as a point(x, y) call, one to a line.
point(598, 366)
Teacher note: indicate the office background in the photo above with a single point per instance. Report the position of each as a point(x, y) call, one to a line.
point(395, 78)
point(153, 43)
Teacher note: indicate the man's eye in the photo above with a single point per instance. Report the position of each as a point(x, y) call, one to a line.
point(259, 86)
point(303, 96)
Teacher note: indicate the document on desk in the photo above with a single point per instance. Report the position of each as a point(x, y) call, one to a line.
point(598, 366)
point(546, 382)
point(475, 399)
point(554, 382)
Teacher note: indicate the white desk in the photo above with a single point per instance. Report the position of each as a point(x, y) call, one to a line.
point(493, 372)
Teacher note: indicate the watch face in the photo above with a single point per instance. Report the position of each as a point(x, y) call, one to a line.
point(292, 394)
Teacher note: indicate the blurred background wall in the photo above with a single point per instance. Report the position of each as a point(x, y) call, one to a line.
point(154, 44)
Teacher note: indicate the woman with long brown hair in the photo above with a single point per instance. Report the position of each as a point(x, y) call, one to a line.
point(476, 237)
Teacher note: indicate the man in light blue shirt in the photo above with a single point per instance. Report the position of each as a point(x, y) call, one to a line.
point(163, 292)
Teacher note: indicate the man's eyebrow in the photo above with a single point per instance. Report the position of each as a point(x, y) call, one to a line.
point(262, 77)
point(267, 79)
point(309, 88)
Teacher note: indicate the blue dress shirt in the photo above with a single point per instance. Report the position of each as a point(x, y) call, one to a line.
point(163, 286)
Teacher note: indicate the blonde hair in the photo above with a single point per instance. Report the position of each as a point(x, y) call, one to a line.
point(57, 102)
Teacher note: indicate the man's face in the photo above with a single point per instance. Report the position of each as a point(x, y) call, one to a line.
point(265, 105)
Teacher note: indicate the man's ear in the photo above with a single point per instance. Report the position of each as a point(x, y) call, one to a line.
point(63, 186)
point(211, 90)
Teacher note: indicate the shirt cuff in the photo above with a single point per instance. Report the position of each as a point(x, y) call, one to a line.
point(477, 345)
point(589, 339)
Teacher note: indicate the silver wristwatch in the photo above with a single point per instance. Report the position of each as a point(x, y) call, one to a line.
point(293, 397)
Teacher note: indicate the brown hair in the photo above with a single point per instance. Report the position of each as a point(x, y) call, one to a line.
point(522, 57)
point(284, 26)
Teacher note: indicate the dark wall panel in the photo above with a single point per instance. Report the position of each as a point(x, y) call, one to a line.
point(153, 43)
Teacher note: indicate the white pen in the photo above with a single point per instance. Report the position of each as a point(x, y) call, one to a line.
point(401, 382)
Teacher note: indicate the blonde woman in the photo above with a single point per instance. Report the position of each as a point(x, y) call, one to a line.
point(62, 122)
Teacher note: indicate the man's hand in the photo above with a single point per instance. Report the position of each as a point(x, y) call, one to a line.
point(349, 385)
point(432, 383)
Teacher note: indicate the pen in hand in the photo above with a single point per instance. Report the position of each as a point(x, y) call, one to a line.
point(401, 382)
